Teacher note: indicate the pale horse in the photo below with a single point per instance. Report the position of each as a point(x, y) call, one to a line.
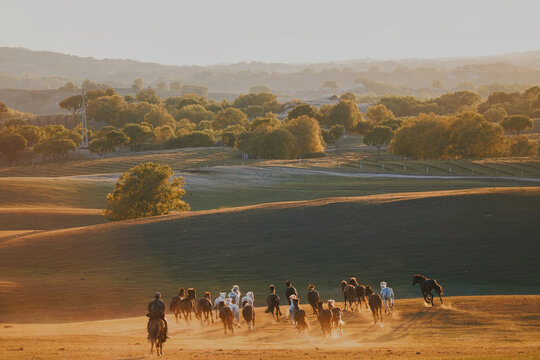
point(234, 295)
point(387, 295)
point(235, 309)
point(249, 299)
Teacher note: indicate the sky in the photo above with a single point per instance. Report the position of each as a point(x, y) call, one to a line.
point(223, 31)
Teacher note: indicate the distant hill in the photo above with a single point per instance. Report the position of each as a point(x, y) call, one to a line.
point(24, 68)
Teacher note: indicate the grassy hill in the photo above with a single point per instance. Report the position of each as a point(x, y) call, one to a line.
point(477, 241)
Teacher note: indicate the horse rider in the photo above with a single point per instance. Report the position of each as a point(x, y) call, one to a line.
point(291, 290)
point(156, 310)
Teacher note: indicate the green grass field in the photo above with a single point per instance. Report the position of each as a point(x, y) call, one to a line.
point(472, 241)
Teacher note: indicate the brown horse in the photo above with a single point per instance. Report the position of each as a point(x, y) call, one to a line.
point(273, 303)
point(428, 285)
point(349, 295)
point(337, 322)
point(313, 298)
point(187, 304)
point(325, 318)
point(300, 316)
point(227, 317)
point(203, 307)
point(157, 335)
point(375, 304)
point(248, 312)
point(175, 303)
point(360, 292)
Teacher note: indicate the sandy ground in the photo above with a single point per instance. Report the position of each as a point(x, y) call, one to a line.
point(494, 327)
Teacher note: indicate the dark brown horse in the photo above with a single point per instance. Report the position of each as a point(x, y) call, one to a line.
point(349, 295)
point(227, 317)
point(337, 322)
point(313, 297)
point(273, 303)
point(157, 335)
point(187, 304)
point(175, 303)
point(248, 312)
point(325, 318)
point(360, 292)
point(300, 316)
point(203, 307)
point(427, 286)
point(375, 304)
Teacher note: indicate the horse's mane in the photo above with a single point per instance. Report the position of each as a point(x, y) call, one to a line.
point(353, 281)
point(207, 294)
point(420, 277)
point(438, 286)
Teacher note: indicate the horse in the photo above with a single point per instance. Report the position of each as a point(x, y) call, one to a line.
point(375, 304)
point(427, 285)
point(248, 312)
point(235, 309)
point(337, 322)
point(157, 335)
point(291, 290)
point(325, 318)
point(234, 295)
point(349, 294)
point(227, 317)
point(273, 303)
point(313, 297)
point(203, 306)
point(249, 299)
point(387, 295)
point(175, 303)
point(222, 297)
point(187, 304)
point(360, 293)
point(300, 316)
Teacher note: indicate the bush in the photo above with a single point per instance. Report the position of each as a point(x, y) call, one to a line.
point(522, 146)
point(193, 139)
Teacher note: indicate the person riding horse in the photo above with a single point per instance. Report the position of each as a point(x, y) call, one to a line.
point(291, 290)
point(156, 310)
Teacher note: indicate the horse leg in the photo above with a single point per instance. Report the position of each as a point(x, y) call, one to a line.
point(440, 297)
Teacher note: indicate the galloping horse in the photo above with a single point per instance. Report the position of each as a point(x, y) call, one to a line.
point(427, 285)
point(349, 295)
point(157, 335)
point(175, 303)
point(187, 304)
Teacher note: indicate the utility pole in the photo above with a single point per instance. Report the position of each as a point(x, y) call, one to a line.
point(84, 127)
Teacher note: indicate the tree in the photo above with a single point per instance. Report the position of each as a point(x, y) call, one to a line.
point(345, 113)
point(254, 111)
point(495, 114)
point(379, 113)
point(146, 191)
point(73, 104)
point(307, 132)
point(69, 86)
point(453, 102)
point(163, 133)
point(303, 109)
point(517, 123)
point(55, 146)
point(138, 84)
point(3, 108)
point(162, 86)
point(148, 95)
point(159, 117)
point(193, 112)
point(379, 136)
point(138, 134)
point(259, 89)
point(175, 85)
point(230, 116)
point(117, 138)
point(32, 134)
point(100, 146)
point(277, 144)
point(194, 89)
point(521, 146)
point(270, 120)
point(107, 109)
point(10, 144)
point(193, 139)
point(348, 96)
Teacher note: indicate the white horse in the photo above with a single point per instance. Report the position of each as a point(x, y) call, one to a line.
point(387, 295)
point(234, 295)
point(222, 297)
point(249, 299)
point(235, 309)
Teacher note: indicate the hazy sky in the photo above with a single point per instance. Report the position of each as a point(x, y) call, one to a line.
point(209, 32)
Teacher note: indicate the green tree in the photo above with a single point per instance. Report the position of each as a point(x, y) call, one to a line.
point(230, 116)
point(54, 147)
point(194, 113)
point(277, 144)
point(146, 191)
point(379, 136)
point(516, 123)
point(379, 113)
point(521, 146)
point(495, 114)
point(10, 144)
point(163, 133)
point(117, 138)
point(138, 134)
point(148, 95)
point(138, 84)
point(159, 117)
point(302, 109)
point(100, 146)
point(32, 134)
point(345, 113)
point(69, 86)
point(162, 86)
point(270, 120)
point(175, 86)
point(307, 132)
point(107, 109)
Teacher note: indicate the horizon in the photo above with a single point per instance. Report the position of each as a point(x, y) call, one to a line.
point(301, 35)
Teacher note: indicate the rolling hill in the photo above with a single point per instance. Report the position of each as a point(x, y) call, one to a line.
point(475, 241)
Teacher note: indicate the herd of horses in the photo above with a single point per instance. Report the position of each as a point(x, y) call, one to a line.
point(228, 306)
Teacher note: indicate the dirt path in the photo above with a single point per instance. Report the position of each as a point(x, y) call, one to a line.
point(465, 327)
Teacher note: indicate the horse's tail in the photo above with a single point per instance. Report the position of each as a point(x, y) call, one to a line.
point(438, 287)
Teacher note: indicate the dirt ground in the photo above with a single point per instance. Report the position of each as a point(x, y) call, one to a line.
point(484, 327)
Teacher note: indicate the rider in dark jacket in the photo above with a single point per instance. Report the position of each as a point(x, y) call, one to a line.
point(291, 290)
point(156, 310)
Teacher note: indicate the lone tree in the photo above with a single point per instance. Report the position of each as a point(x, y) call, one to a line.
point(146, 191)
point(517, 123)
point(379, 136)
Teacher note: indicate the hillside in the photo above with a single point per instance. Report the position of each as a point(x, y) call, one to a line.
point(467, 239)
